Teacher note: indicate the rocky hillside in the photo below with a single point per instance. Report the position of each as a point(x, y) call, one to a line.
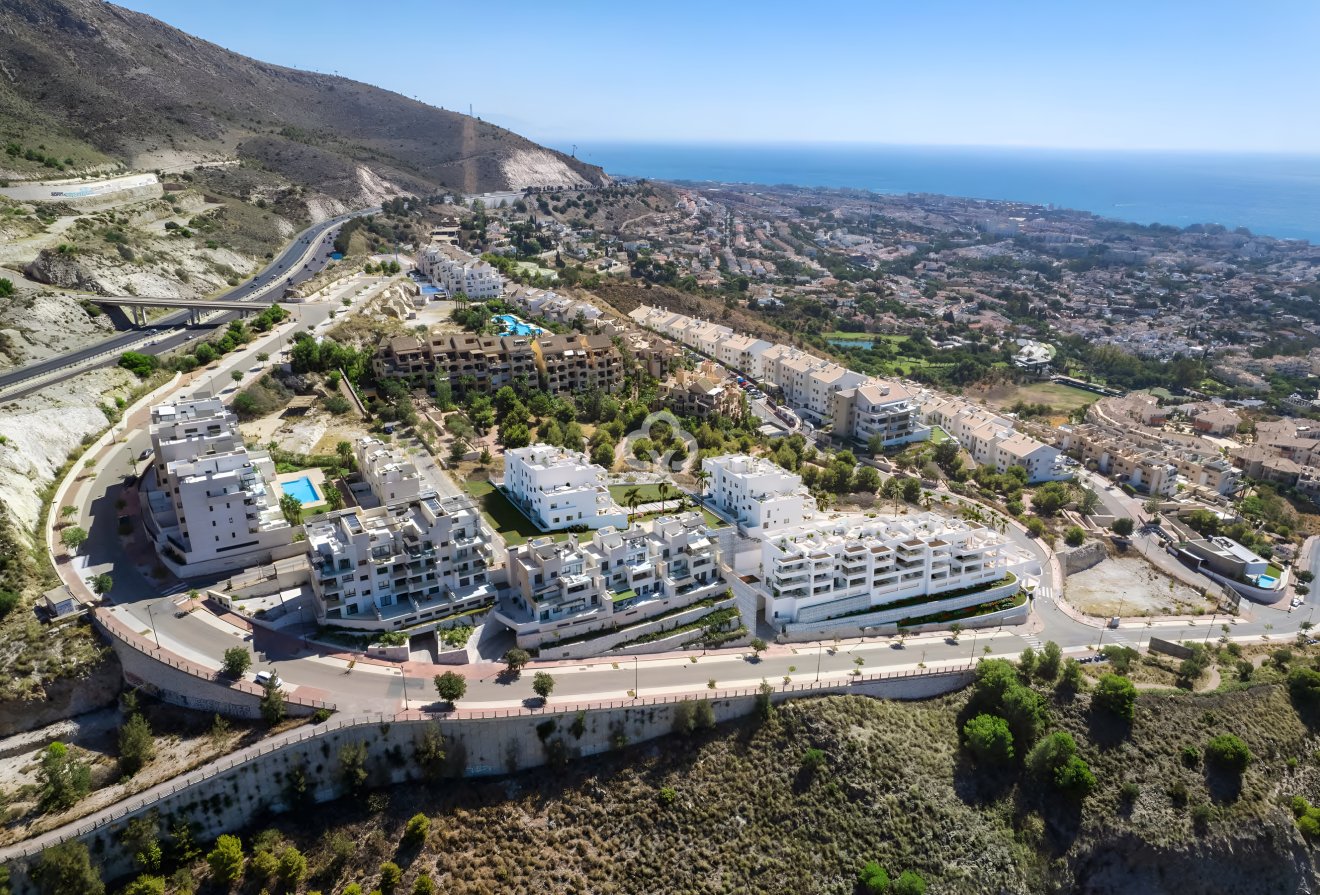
point(93, 82)
point(801, 802)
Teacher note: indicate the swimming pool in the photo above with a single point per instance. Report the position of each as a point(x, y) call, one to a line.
point(516, 327)
point(301, 490)
point(1266, 581)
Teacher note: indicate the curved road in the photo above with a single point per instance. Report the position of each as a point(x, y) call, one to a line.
point(299, 261)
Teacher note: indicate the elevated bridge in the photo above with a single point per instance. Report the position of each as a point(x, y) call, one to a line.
point(194, 307)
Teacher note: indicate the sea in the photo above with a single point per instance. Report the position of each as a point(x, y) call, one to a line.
point(1274, 195)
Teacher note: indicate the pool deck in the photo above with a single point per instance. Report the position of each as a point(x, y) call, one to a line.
point(315, 476)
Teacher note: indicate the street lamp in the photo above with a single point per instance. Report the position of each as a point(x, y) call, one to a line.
point(151, 614)
point(637, 679)
point(819, 647)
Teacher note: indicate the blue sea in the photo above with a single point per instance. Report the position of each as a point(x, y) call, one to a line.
point(1275, 195)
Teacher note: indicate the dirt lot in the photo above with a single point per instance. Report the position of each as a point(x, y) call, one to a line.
point(1135, 585)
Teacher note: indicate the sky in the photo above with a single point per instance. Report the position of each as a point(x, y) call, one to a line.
point(1118, 75)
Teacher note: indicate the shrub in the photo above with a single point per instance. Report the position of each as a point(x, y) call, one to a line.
point(1304, 686)
point(68, 868)
point(226, 860)
point(292, 867)
point(1055, 761)
point(236, 661)
point(909, 882)
point(1122, 526)
point(813, 760)
point(140, 365)
point(64, 778)
point(390, 877)
point(1190, 756)
point(1116, 695)
point(989, 740)
point(873, 879)
point(1227, 752)
point(667, 796)
point(417, 829)
point(1074, 536)
point(1129, 792)
point(136, 745)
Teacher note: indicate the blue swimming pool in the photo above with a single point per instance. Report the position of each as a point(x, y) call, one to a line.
point(301, 490)
point(512, 326)
point(430, 290)
point(1266, 581)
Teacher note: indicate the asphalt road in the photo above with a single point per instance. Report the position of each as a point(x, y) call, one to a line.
point(283, 271)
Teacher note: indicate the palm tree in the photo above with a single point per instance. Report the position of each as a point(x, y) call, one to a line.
point(632, 497)
point(663, 491)
point(702, 476)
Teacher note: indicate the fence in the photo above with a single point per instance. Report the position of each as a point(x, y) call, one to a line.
point(154, 795)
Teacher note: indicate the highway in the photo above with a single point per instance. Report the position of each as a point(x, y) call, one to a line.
point(299, 261)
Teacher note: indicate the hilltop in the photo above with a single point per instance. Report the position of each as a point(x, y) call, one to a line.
point(97, 84)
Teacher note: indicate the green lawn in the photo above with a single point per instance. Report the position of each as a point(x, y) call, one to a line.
point(1063, 398)
point(938, 435)
point(504, 517)
point(645, 493)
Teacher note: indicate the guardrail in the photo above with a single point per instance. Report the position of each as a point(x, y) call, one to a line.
point(152, 796)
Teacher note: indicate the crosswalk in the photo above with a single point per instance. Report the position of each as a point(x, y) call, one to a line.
point(1034, 642)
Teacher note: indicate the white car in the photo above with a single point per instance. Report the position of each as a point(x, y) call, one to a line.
point(273, 677)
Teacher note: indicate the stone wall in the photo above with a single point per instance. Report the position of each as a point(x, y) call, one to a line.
point(1079, 559)
point(228, 795)
point(607, 641)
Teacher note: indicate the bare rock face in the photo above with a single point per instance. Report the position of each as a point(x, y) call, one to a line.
point(56, 268)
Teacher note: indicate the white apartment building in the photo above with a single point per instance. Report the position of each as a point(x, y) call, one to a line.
point(851, 564)
point(392, 477)
point(618, 577)
point(211, 504)
point(992, 441)
point(558, 489)
point(456, 271)
point(759, 494)
point(402, 564)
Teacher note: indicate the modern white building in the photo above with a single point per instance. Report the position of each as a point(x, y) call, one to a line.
point(418, 560)
point(212, 505)
point(391, 476)
point(558, 489)
point(561, 589)
point(759, 494)
point(850, 565)
point(456, 271)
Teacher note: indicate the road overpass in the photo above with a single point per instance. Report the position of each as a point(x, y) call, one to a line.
point(301, 259)
point(194, 306)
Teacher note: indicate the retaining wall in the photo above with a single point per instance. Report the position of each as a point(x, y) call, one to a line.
point(1082, 558)
point(598, 646)
point(229, 794)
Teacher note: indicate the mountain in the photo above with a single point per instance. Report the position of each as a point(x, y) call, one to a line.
point(96, 83)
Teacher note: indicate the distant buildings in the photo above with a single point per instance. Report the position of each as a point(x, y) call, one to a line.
point(570, 363)
point(425, 558)
point(456, 271)
point(211, 504)
point(760, 495)
point(702, 393)
point(559, 489)
point(619, 577)
point(858, 406)
point(991, 440)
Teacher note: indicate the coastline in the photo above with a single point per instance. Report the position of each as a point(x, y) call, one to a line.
point(1270, 195)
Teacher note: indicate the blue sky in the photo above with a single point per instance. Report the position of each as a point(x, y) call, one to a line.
point(1211, 75)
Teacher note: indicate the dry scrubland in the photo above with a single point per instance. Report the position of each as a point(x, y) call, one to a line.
point(745, 815)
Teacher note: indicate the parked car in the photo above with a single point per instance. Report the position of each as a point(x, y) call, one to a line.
point(272, 677)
